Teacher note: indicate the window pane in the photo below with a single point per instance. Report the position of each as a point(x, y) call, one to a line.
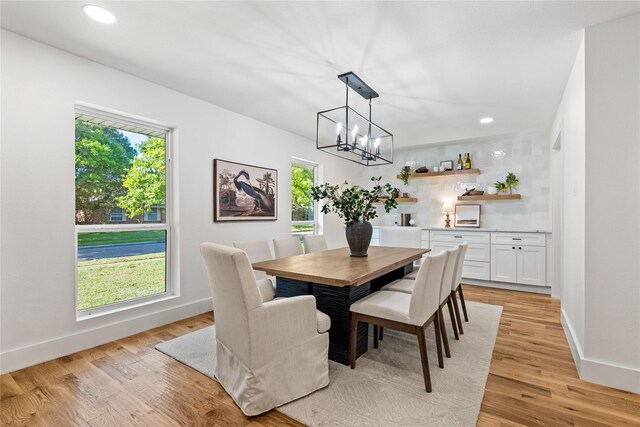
point(302, 181)
point(299, 230)
point(120, 265)
point(117, 169)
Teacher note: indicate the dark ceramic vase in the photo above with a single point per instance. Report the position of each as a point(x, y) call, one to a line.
point(359, 237)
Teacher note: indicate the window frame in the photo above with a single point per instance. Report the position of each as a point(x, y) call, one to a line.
point(316, 204)
point(157, 213)
point(124, 216)
point(116, 120)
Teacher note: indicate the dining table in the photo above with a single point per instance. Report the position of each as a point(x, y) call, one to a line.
point(337, 280)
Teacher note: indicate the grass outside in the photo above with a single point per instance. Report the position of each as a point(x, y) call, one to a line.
point(115, 237)
point(109, 280)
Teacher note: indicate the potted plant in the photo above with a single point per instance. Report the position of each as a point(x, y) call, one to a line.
point(511, 181)
point(501, 186)
point(355, 206)
point(404, 174)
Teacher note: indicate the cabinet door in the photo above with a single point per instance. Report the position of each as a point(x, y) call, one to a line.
point(531, 265)
point(503, 263)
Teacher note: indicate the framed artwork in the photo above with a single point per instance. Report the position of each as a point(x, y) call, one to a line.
point(244, 192)
point(447, 165)
point(467, 216)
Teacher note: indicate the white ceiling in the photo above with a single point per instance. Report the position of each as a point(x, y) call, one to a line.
point(439, 66)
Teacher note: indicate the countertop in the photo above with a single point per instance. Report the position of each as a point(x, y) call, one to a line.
point(503, 230)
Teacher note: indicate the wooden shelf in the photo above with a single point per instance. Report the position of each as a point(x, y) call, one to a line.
point(491, 197)
point(401, 200)
point(446, 173)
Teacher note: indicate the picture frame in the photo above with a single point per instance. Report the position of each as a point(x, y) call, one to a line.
point(467, 216)
point(447, 165)
point(243, 192)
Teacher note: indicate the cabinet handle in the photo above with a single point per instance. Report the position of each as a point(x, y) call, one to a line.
point(520, 248)
point(516, 238)
point(458, 237)
point(513, 247)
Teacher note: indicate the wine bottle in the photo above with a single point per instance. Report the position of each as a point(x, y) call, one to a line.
point(467, 162)
point(460, 165)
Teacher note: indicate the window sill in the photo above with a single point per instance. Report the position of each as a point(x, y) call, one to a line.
point(120, 307)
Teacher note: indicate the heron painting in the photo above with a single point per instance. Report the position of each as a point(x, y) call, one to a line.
point(244, 192)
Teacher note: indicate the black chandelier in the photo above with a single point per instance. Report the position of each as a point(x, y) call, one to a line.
point(344, 132)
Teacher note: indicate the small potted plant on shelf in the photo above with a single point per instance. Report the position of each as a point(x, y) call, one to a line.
point(511, 181)
point(501, 186)
point(355, 206)
point(404, 174)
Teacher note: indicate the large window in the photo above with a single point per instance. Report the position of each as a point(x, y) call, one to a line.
point(304, 211)
point(122, 219)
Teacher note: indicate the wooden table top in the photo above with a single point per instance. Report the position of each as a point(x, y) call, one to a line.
point(335, 267)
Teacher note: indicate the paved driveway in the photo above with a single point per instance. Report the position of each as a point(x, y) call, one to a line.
point(86, 253)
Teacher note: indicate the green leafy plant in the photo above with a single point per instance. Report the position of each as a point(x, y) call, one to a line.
point(354, 203)
point(404, 174)
point(511, 181)
point(501, 186)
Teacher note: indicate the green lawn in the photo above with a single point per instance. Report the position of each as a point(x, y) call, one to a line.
point(109, 280)
point(301, 228)
point(109, 238)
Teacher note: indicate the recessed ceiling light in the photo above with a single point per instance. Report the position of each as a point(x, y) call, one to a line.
point(486, 120)
point(99, 14)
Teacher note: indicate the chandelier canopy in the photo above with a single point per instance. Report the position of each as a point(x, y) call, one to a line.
point(344, 132)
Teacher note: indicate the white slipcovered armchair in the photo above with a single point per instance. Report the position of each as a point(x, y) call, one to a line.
point(269, 351)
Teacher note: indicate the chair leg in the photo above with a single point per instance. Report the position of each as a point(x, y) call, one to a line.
point(436, 327)
point(354, 337)
point(443, 331)
point(457, 310)
point(381, 333)
point(453, 318)
point(464, 306)
point(375, 336)
point(422, 343)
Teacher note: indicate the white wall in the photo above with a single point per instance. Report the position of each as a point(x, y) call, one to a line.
point(612, 303)
point(599, 123)
point(569, 171)
point(39, 87)
point(526, 154)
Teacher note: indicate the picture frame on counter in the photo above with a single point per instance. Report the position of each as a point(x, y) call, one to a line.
point(467, 216)
point(446, 165)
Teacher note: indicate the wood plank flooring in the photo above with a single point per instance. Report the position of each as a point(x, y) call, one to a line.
point(532, 381)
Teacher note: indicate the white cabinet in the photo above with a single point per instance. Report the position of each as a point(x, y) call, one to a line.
point(522, 261)
point(476, 270)
point(504, 263)
point(531, 262)
point(476, 261)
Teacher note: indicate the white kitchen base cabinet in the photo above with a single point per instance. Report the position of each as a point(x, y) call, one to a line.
point(530, 263)
point(504, 263)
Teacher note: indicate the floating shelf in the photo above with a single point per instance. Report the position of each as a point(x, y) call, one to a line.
point(401, 200)
point(491, 197)
point(446, 173)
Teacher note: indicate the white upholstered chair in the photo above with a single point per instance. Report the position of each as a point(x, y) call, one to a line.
point(410, 313)
point(456, 286)
point(268, 352)
point(257, 251)
point(314, 243)
point(287, 247)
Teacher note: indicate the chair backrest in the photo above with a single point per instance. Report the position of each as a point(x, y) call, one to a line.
point(449, 273)
point(400, 237)
point(287, 247)
point(235, 293)
point(314, 243)
point(256, 251)
point(457, 277)
point(424, 299)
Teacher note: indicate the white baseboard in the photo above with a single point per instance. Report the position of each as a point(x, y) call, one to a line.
point(510, 286)
point(23, 357)
point(595, 371)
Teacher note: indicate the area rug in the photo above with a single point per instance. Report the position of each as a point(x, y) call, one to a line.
point(387, 387)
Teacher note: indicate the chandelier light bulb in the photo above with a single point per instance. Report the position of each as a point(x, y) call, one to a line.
point(338, 128)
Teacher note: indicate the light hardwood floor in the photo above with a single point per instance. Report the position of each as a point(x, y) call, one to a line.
point(532, 380)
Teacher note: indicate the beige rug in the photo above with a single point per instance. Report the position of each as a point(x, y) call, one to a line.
point(386, 388)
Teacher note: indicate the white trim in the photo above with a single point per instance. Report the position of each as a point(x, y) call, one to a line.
point(595, 371)
point(511, 286)
point(19, 358)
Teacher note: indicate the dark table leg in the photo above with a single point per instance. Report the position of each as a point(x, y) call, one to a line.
point(335, 302)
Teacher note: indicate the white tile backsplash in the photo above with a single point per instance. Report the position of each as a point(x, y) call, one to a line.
point(525, 154)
